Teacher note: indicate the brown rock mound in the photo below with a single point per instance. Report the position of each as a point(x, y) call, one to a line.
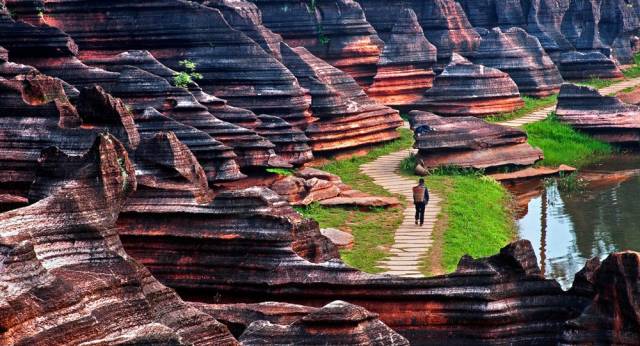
point(465, 88)
point(604, 117)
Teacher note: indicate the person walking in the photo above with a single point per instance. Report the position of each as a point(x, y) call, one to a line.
point(420, 200)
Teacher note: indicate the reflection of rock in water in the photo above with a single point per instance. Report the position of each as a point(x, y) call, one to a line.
point(523, 192)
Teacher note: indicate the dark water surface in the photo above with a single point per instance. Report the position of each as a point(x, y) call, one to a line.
point(566, 229)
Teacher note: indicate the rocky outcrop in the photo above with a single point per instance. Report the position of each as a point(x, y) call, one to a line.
point(469, 142)
point(291, 143)
point(347, 117)
point(464, 88)
point(584, 66)
point(63, 264)
point(612, 317)
point(339, 323)
point(604, 117)
point(333, 30)
point(444, 23)
point(233, 66)
point(405, 66)
point(521, 56)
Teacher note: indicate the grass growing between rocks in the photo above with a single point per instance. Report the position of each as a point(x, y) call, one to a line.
point(598, 83)
point(634, 71)
point(562, 144)
point(373, 229)
point(531, 104)
point(476, 217)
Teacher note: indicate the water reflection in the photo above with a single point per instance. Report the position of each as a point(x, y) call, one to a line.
point(567, 229)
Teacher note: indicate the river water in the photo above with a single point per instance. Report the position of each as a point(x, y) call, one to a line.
point(568, 228)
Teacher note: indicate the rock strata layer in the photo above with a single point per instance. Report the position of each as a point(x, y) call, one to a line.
point(469, 142)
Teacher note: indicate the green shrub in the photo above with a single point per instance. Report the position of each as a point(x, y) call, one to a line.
point(187, 77)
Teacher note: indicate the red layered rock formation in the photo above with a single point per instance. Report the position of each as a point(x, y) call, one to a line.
point(469, 142)
point(65, 278)
point(613, 316)
point(604, 117)
point(521, 56)
point(465, 88)
point(342, 323)
point(233, 66)
point(444, 22)
point(405, 66)
point(584, 66)
point(291, 143)
point(347, 117)
point(333, 30)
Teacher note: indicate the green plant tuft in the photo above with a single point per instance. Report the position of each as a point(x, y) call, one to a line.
point(187, 77)
point(280, 171)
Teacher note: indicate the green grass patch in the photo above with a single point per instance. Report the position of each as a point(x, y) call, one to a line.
point(531, 104)
point(349, 169)
point(480, 221)
point(280, 171)
point(633, 72)
point(597, 83)
point(562, 144)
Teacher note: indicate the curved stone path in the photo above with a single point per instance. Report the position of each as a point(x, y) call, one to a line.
point(411, 241)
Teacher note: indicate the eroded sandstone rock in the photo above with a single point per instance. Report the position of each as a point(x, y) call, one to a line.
point(469, 142)
point(333, 30)
point(521, 56)
point(604, 117)
point(63, 264)
point(584, 66)
point(464, 88)
point(348, 118)
point(405, 65)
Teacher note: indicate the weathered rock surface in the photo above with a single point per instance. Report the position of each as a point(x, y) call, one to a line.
point(469, 142)
point(464, 88)
point(405, 65)
point(584, 66)
point(63, 264)
point(612, 317)
point(341, 323)
point(291, 143)
point(444, 22)
point(342, 240)
point(604, 117)
point(348, 118)
point(521, 56)
point(233, 66)
point(333, 30)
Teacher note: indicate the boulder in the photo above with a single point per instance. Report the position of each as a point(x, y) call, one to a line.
point(347, 117)
point(521, 56)
point(405, 65)
point(469, 142)
point(342, 240)
point(465, 88)
point(603, 117)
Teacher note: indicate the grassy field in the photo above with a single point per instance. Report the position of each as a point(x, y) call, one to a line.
point(531, 104)
point(563, 145)
point(373, 229)
point(597, 82)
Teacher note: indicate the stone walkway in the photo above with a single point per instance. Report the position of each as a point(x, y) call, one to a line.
point(544, 112)
point(411, 241)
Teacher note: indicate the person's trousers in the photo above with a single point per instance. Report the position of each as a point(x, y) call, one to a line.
point(420, 207)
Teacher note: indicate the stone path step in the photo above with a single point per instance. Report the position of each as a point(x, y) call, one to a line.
point(544, 112)
point(411, 241)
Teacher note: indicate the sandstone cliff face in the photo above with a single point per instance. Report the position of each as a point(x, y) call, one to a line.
point(405, 65)
point(604, 117)
point(464, 88)
point(521, 56)
point(469, 142)
point(347, 117)
point(333, 30)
